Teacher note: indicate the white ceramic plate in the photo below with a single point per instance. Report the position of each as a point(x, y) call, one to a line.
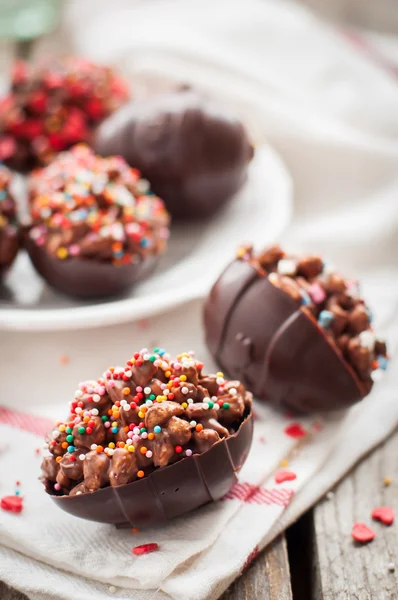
point(195, 256)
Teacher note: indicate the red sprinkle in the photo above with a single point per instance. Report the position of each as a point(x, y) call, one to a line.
point(282, 476)
point(12, 504)
point(362, 533)
point(295, 430)
point(145, 549)
point(385, 514)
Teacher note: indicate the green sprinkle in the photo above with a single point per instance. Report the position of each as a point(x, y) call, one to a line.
point(225, 405)
point(104, 418)
point(68, 430)
point(142, 429)
point(69, 438)
point(81, 430)
point(211, 404)
point(156, 350)
point(152, 358)
point(152, 397)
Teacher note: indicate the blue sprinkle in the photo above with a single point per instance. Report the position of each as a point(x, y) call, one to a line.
point(115, 429)
point(17, 492)
point(383, 362)
point(305, 298)
point(71, 448)
point(161, 351)
point(325, 318)
point(157, 429)
point(3, 194)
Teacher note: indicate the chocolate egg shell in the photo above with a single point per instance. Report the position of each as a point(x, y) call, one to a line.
point(170, 491)
point(194, 153)
point(256, 333)
point(84, 278)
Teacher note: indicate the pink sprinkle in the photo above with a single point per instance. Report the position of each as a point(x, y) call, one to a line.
point(139, 389)
point(188, 452)
point(317, 293)
point(130, 434)
point(74, 250)
point(136, 438)
point(107, 424)
point(57, 487)
point(111, 384)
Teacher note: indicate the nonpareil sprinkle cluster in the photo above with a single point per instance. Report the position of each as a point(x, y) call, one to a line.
point(148, 414)
point(9, 229)
point(53, 106)
point(85, 206)
point(331, 300)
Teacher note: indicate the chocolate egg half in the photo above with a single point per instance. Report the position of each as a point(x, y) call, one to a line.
point(281, 346)
point(193, 150)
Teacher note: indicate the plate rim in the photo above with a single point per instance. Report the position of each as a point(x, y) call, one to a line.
point(115, 312)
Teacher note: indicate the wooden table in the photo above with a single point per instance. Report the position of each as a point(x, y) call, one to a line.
point(317, 559)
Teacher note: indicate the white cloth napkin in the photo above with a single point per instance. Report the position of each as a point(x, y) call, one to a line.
point(331, 113)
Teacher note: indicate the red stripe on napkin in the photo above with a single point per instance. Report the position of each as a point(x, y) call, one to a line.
point(253, 494)
point(25, 421)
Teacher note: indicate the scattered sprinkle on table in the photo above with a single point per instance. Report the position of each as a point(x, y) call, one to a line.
point(282, 476)
point(362, 533)
point(11, 504)
point(145, 549)
point(385, 514)
point(295, 430)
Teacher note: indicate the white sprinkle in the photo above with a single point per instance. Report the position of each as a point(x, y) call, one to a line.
point(93, 446)
point(146, 356)
point(192, 423)
point(144, 435)
point(112, 589)
point(287, 267)
point(56, 434)
point(205, 405)
point(78, 493)
point(149, 402)
point(184, 390)
point(128, 373)
point(94, 412)
point(78, 410)
point(189, 401)
point(110, 451)
point(216, 406)
point(82, 456)
point(273, 277)
point(233, 392)
point(220, 380)
point(78, 394)
point(126, 407)
point(147, 390)
point(391, 567)
point(142, 186)
point(166, 392)
point(149, 454)
point(96, 397)
point(129, 442)
point(377, 375)
point(367, 340)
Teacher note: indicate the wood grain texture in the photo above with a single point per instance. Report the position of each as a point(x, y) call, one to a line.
point(7, 593)
point(267, 578)
point(344, 570)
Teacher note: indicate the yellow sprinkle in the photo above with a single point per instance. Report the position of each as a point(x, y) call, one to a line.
point(168, 373)
point(62, 252)
point(183, 377)
point(62, 428)
point(111, 445)
point(219, 374)
point(284, 463)
point(184, 405)
point(387, 481)
point(141, 415)
point(240, 252)
point(131, 448)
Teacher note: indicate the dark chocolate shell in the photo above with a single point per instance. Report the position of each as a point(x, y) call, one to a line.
point(256, 333)
point(84, 278)
point(192, 150)
point(168, 492)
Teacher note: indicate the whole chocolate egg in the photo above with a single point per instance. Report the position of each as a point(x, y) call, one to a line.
point(192, 149)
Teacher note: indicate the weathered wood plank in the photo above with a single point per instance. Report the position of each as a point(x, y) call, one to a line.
point(267, 578)
point(344, 570)
point(7, 593)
